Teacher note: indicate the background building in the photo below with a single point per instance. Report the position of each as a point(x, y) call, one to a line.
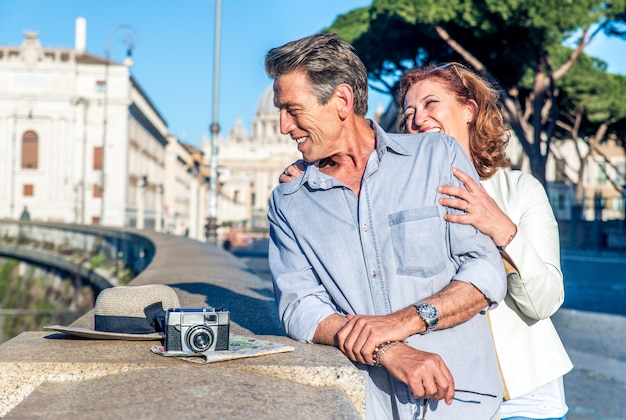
point(249, 166)
point(81, 141)
point(178, 191)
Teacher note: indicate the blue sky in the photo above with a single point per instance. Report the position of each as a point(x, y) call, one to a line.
point(174, 51)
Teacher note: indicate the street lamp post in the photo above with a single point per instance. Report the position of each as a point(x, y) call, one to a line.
point(215, 129)
point(129, 41)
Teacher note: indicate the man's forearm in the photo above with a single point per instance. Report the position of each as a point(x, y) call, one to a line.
point(327, 329)
point(457, 302)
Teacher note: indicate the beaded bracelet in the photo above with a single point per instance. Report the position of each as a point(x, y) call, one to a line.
point(380, 349)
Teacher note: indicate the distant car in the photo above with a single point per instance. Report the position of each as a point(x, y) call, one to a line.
point(245, 239)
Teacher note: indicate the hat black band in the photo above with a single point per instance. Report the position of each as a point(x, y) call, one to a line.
point(153, 321)
point(123, 324)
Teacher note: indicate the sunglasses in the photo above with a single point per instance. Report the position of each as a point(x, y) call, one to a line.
point(426, 400)
point(455, 67)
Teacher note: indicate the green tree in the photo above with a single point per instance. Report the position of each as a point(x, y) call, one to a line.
point(507, 41)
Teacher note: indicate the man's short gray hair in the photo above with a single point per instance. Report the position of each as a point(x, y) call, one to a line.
point(327, 61)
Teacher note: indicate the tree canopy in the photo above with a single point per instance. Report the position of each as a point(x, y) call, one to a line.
point(517, 44)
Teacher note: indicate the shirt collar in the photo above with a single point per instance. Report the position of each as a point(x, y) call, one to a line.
point(388, 141)
point(317, 180)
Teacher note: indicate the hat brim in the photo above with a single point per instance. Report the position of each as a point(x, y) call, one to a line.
point(102, 335)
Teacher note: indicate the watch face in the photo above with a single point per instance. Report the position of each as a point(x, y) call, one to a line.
point(428, 311)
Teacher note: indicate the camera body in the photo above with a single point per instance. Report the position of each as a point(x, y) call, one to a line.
point(190, 331)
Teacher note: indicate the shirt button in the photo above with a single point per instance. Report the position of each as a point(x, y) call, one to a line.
point(364, 228)
point(374, 275)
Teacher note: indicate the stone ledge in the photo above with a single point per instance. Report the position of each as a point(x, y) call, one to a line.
point(194, 393)
point(36, 359)
point(53, 375)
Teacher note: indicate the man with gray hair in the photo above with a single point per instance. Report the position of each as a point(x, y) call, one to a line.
point(360, 254)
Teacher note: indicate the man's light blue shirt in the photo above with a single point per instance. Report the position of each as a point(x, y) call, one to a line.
point(334, 252)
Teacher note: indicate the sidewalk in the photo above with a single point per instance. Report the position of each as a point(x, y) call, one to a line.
point(596, 343)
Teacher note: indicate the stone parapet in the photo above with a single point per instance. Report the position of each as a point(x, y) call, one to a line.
point(51, 375)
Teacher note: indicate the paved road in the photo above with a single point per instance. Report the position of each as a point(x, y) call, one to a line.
point(592, 326)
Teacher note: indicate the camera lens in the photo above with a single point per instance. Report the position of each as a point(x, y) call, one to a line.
point(199, 338)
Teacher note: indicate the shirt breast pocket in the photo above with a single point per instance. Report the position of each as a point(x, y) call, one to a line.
point(418, 240)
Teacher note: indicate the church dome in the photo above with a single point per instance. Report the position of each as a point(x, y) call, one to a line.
point(266, 103)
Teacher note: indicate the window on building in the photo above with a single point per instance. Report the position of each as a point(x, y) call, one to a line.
point(97, 191)
point(97, 158)
point(236, 196)
point(30, 150)
point(100, 86)
point(28, 190)
point(95, 220)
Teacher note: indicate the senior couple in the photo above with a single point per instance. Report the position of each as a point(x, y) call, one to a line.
point(389, 246)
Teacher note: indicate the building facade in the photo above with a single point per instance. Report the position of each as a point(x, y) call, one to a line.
point(81, 141)
point(602, 188)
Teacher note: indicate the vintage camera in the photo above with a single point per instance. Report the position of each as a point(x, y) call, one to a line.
point(190, 331)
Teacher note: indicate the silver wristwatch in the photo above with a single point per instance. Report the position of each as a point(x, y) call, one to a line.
point(429, 314)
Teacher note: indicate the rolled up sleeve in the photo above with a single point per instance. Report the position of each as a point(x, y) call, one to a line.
point(302, 301)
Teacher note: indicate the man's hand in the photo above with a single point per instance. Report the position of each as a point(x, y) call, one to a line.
point(357, 335)
point(362, 333)
point(425, 373)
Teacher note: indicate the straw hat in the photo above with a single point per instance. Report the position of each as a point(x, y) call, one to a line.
point(128, 313)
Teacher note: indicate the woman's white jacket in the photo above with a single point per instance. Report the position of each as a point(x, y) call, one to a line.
point(529, 349)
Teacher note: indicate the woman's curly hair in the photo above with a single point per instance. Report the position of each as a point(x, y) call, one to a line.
point(489, 135)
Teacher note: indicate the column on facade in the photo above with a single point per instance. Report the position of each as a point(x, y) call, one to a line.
point(141, 190)
point(81, 183)
point(158, 211)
